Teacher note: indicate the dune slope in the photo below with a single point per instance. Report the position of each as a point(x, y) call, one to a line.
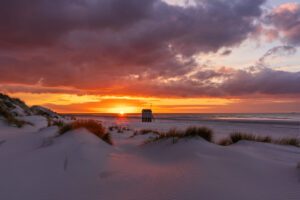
point(78, 165)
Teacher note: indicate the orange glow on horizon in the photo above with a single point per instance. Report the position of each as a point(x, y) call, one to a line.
point(69, 103)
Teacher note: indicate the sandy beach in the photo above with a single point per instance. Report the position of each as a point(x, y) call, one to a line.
point(274, 125)
point(36, 164)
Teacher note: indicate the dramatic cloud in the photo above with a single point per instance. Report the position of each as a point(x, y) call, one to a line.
point(97, 44)
point(136, 47)
point(279, 51)
point(286, 20)
point(12, 88)
point(207, 26)
point(41, 23)
point(265, 81)
point(226, 83)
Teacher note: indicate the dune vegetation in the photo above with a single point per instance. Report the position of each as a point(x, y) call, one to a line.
point(287, 141)
point(12, 103)
point(237, 136)
point(10, 118)
point(91, 125)
point(119, 129)
point(207, 134)
point(175, 135)
point(145, 132)
point(12, 108)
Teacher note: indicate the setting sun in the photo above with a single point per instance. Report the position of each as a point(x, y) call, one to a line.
point(121, 112)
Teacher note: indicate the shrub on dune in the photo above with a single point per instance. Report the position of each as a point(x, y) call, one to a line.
point(225, 142)
point(107, 138)
point(65, 128)
point(54, 122)
point(10, 119)
point(203, 132)
point(288, 141)
point(111, 128)
point(4, 112)
point(236, 137)
point(91, 125)
point(190, 132)
point(58, 123)
point(174, 134)
point(119, 129)
point(145, 131)
point(18, 123)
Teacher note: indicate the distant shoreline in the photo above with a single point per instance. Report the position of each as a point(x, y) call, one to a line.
point(254, 118)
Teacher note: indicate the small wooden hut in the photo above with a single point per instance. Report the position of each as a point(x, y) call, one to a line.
point(147, 115)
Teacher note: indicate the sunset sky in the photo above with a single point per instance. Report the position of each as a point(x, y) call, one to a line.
point(180, 56)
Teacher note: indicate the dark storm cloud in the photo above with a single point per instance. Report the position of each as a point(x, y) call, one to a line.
point(226, 53)
point(286, 20)
point(131, 47)
point(207, 26)
point(43, 22)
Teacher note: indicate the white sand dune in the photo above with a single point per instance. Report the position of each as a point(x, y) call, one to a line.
point(78, 165)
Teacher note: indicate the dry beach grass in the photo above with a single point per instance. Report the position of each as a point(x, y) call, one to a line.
point(89, 124)
point(191, 132)
point(11, 119)
point(207, 134)
point(236, 137)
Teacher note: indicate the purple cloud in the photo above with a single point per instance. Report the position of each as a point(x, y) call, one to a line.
point(132, 47)
point(286, 20)
point(279, 51)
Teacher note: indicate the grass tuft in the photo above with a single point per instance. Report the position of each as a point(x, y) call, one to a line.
point(11, 103)
point(52, 122)
point(119, 129)
point(225, 142)
point(91, 125)
point(147, 131)
point(287, 141)
point(190, 132)
point(236, 137)
point(203, 132)
point(10, 118)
